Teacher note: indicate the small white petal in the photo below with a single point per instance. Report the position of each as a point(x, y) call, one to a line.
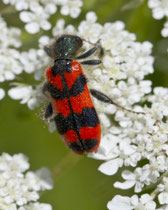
point(45, 176)
point(91, 16)
point(9, 75)
point(32, 103)
point(120, 203)
point(164, 32)
point(163, 198)
point(64, 10)
point(19, 92)
point(124, 185)
point(128, 175)
point(32, 27)
point(45, 25)
point(158, 13)
point(26, 16)
point(44, 40)
point(2, 93)
point(51, 8)
point(111, 167)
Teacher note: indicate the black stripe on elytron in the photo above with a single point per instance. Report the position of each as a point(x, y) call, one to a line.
point(76, 146)
point(88, 145)
point(78, 86)
point(55, 92)
point(76, 89)
point(75, 121)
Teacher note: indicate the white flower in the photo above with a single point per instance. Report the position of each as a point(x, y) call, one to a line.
point(68, 7)
point(108, 170)
point(141, 176)
point(159, 101)
point(137, 140)
point(22, 4)
point(121, 77)
point(2, 93)
point(35, 19)
point(50, 6)
point(36, 13)
point(60, 28)
point(89, 29)
point(39, 180)
point(17, 189)
point(164, 31)
point(137, 178)
point(145, 202)
point(71, 7)
point(36, 60)
point(163, 189)
point(159, 11)
point(10, 65)
point(17, 162)
point(27, 94)
point(9, 36)
point(36, 206)
point(159, 8)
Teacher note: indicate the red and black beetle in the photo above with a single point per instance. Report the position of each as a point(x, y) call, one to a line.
point(71, 105)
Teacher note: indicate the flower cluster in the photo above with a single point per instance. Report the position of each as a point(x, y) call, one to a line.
point(27, 94)
point(8, 56)
point(145, 202)
point(128, 137)
point(32, 61)
point(14, 62)
point(20, 189)
point(36, 13)
point(123, 59)
point(160, 10)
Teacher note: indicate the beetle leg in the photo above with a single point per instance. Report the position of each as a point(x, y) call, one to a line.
point(101, 53)
point(100, 96)
point(49, 111)
point(91, 62)
point(92, 51)
point(87, 53)
point(45, 88)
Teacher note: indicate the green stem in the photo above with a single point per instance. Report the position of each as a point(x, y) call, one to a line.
point(68, 162)
point(155, 192)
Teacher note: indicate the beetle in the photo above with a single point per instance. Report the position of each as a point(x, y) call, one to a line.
point(71, 105)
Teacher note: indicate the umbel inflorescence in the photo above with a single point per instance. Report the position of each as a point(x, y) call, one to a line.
point(20, 189)
point(159, 11)
point(127, 138)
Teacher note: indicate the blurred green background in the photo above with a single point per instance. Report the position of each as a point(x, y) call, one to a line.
point(78, 183)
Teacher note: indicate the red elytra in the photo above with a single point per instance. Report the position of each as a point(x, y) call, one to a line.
point(76, 118)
